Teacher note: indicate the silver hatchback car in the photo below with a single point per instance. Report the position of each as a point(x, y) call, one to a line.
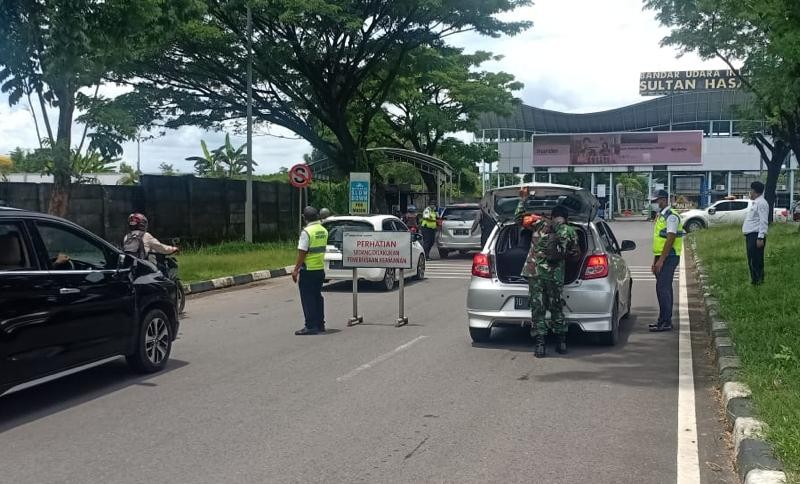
point(597, 285)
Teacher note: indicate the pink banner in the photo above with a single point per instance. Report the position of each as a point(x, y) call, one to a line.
point(614, 149)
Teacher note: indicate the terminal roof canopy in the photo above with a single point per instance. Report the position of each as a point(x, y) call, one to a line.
point(681, 111)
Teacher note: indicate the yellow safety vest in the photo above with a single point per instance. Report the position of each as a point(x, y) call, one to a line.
point(317, 241)
point(660, 234)
point(430, 222)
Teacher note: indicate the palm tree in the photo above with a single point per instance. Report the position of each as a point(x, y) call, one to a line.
point(235, 159)
point(206, 165)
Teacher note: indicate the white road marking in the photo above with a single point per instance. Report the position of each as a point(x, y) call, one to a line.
point(380, 359)
point(688, 460)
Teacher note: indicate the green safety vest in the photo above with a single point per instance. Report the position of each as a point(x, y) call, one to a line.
point(317, 241)
point(429, 223)
point(660, 234)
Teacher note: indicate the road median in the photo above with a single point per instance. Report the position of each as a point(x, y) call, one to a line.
point(756, 334)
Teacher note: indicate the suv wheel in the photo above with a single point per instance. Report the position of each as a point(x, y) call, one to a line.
point(153, 343)
point(693, 225)
point(420, 268)
point(611, 338)
point(480, 335)
point(388, 280)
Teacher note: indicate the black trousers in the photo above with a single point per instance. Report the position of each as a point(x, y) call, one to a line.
point(664, 281)
point(755, 258)
point(428, 238)
point(310, 285)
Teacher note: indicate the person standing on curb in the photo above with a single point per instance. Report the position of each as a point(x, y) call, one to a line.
point(309, 272)
point(755, 231)
point(428, 230)
point(667, 246)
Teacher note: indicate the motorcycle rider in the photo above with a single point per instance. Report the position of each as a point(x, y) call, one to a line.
point(139, 243)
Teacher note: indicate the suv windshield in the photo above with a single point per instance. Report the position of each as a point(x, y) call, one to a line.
point(337, 228)
point(460, 214)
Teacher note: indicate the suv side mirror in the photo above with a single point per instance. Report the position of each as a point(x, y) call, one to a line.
point(627, 246)
point(712, 211)
point(416, 237)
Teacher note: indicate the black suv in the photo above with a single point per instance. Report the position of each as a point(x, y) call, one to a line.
point(70, 301)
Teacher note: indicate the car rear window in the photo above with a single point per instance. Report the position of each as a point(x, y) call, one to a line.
point(337, 228)
point(460, 214)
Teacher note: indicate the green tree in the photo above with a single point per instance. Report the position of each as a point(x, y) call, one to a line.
point(208, 164)
point(167, 169)
point(316, 63)
point(760, 42)
point(233, 160)
point(131, 176)
point(54, 48)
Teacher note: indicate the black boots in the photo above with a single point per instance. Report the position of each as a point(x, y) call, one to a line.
point(561, 348)
point(539, 350)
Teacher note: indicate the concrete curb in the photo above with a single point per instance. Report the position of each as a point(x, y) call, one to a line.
point(231, 281)
point(753, 456)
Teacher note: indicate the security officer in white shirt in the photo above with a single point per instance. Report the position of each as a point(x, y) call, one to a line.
point(755, 229)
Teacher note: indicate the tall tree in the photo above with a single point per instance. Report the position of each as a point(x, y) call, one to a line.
point(314, 61)
point(54, 48)
point(760, 42)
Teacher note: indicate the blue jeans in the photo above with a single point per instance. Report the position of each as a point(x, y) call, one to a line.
point(664, 280)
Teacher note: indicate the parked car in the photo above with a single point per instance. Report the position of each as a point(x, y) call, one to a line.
point(455, 229)
point(386, 278)
point(70, 301)
point(597, 284)
point(724, 212)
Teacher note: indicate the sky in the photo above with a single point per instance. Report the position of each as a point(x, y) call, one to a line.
point(579, 56)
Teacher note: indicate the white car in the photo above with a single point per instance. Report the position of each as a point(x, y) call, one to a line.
point(387, 278)
point(724, 212)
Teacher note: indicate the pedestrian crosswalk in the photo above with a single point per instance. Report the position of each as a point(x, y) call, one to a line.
point(462, 269)
point(644, 273)
point(449, 269)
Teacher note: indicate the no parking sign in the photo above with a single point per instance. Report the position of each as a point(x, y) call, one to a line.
point(300, 175)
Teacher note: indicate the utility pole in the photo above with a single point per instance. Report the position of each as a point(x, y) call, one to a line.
point(248, 205)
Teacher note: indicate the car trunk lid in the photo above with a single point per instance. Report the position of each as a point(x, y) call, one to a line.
point(501, 203)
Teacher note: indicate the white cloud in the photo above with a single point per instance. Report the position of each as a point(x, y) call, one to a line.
point(580, 56)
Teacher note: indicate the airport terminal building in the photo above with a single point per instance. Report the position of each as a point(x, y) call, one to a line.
point(688, 141)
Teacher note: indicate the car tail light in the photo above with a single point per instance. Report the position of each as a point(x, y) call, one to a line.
point(596, 267)
point(480, 266)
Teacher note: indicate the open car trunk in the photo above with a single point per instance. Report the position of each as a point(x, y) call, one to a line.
point(511, 250)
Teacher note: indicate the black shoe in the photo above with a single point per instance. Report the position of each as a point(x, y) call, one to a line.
point(561, 348)
point(322, 328)
point(661, 327)
point(305, 331)
point(654, 325)
point(540, 351)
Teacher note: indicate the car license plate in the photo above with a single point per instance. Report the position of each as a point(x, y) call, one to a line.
point(521, 302)
point(336, 264)
point(460, 232)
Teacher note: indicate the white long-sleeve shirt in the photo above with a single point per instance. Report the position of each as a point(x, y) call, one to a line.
point(757, 219)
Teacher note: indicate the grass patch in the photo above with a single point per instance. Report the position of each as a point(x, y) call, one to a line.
point(765, 325)
point(234, 258)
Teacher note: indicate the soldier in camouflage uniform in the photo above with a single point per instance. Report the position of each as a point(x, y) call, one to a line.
point(552, 243)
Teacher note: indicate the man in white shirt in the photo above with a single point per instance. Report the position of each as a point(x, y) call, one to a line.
point(755, 231)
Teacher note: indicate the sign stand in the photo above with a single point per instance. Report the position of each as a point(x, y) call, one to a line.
point(356, 319)
point(402, 320)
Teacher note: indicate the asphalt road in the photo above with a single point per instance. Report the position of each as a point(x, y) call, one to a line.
point(246, 401)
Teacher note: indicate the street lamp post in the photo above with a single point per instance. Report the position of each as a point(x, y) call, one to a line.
point(248, 206)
